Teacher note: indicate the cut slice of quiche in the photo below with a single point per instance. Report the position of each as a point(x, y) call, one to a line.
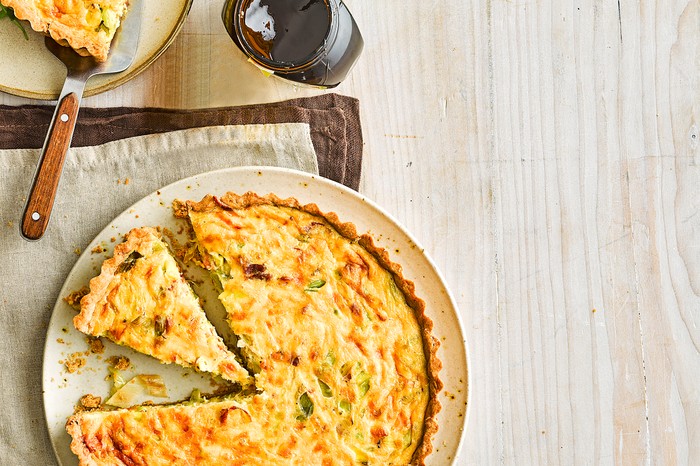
point(346, 366)
point(141, 300)
point(87, 26)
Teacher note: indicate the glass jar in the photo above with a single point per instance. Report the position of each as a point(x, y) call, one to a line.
point(313, 42)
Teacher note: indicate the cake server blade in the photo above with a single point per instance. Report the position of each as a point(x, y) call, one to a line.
point(42, 194)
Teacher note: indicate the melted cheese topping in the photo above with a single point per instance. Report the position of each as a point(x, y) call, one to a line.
point(142, 301)
point(340, 368)
point(87, 25)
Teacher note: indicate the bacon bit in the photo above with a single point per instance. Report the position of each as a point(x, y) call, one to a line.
point(378, 433)
point(256, 271)
point(284, 279)
point(295, 361)
point(243, 414)
point(356, 313)
point(313, 355)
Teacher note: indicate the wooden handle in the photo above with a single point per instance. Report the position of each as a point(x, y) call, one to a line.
point(43, 192)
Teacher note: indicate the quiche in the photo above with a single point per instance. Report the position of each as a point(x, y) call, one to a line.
point(141, 300)
point(88, 26)
point(344, 363)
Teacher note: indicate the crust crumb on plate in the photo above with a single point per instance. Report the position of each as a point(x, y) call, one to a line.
point(88, 402)
point(73, 299)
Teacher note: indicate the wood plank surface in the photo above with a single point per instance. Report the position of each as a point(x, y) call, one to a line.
point(546, 156)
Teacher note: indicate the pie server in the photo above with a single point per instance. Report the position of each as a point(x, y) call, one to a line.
point(41, 197)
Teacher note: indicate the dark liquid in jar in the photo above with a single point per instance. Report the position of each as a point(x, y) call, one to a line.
point(297, 39)
point(287, 31)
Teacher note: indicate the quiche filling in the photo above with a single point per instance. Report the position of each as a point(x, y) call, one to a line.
point(344, 365)
point(88, 26)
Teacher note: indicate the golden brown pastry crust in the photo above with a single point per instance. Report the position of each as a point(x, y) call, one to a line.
point(59, 20)
point(349, 231)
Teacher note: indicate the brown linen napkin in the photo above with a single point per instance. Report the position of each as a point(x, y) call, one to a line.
point(334, 122)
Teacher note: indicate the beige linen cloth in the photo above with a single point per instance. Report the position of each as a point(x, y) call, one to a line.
point(94, 190)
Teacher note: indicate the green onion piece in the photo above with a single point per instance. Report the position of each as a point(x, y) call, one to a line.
point(196, 396)
point(325, 389)
point(306, 405)
point(160, 325)
point(315, 285)
point(346, 370)
point(363, 383)
point(10, 14)
point(129, 262)
point(345, 406)
point(408, 438)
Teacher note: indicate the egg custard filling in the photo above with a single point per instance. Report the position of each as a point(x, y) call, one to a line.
point(87, 26)
point(343, 360)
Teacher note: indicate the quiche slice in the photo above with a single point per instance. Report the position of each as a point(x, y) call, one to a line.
point(88, 26)
point(345, 363)
point(141, 300)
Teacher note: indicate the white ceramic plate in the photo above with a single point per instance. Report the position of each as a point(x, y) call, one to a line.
point(30, 70)
point(62, 390)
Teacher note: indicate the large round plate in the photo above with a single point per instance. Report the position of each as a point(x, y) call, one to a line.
point(62, 390)
point(30, 70)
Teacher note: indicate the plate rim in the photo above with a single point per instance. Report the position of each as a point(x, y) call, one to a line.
point(281, 171)
point(124, 77)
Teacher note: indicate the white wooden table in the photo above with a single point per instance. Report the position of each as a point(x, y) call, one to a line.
point(546, 155)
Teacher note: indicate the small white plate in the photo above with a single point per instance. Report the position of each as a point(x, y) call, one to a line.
point(30, 70)
point(62, 390)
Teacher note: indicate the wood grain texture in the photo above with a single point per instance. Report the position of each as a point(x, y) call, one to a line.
point(41, 197)
point(546, 156)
